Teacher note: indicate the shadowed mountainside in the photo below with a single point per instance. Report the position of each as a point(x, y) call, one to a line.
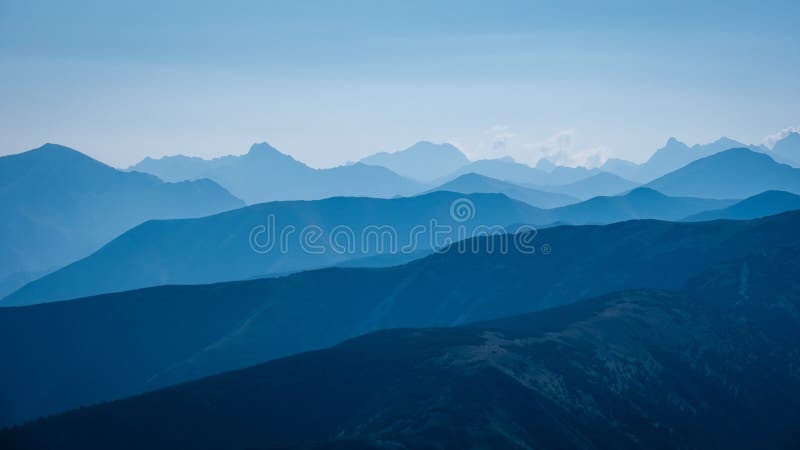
point(59, 205)
point(764, 204)
point(302, 235)
point(95, 349)
point(711, 366)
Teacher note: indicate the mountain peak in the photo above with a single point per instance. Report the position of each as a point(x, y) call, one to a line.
point(424, 160)
point(262, 147)
point(644, 192)
point(545, 164)
point(673, 142)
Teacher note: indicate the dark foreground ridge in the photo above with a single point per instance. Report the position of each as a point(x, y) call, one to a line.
point(711, 366)
point(96, 349)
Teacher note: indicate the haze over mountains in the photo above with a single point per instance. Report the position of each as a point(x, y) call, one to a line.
point(423, 161)
point(760, 205)
point(265, 174)
point(59, 205)
point(473, 182)
point(281, 287)
point(787, 150)
point(603, 183)
point(673, 155)
point(734, 173)
point(140, 340)
point(222, 247)
point(551, 377)
point(640, 203)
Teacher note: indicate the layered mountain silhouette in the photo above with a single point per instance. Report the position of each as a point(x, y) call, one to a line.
point(473, 182)
point(603, 183)
point(95, 349)
point(672, 156)
point(423, 161)
point(709, 366)
point(622, 168)
point(761, 205)
point(59, 205)
point(640, 203)
point(300, 235)
point(787, 150)
point(734, 173)
point(265, 174)
point(507, 169)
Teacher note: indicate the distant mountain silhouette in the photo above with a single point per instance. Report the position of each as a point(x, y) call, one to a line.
point(265, 174)
point(473, 182)
point(424, 161)
point(640, 203)
point(734, 173)
point(622, 168)
point(507, 169)
point(59, 205)
point(711, 366)
point(218, 248)
point(95, 349)
point(603, 183)
point(761, 205)
point(787, 150)
point(672, 156)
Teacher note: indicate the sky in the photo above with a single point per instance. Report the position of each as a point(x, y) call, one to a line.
point(330, 82)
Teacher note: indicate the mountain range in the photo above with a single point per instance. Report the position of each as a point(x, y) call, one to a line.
point(640, 203)
point(787, 150)
point(472, 182)
point(220, 249)
point(760, 205)
point(273, 238)
point(95, 349)
point(423, 161)
point(735, 173)
point(59, 205)
point(712, 365)
point(603, 183)
point(675, 154)
point(265, 174)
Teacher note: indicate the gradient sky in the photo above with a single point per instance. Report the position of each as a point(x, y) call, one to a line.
point(334, 81)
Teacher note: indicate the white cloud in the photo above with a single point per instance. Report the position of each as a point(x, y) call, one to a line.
point(772, 139)
point(501, 141)
point(561, 149)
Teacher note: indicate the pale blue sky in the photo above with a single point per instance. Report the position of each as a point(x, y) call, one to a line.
point(333, 81)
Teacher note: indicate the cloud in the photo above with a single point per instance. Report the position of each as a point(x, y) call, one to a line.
point(501, 141)
point(561, 150)
point(772, 139)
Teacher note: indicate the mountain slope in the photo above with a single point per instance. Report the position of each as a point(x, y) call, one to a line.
point(473, 182)
point(637, 204)
point(265, 174)
point(95, 349)
point(424, 161)
point(709, 367)
point(277, 237)
point(58, 205)
point(601, 184)
point(761, 205)
point(788, 149)
point(507, 169)
point(672, 156)
point(734, 173)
